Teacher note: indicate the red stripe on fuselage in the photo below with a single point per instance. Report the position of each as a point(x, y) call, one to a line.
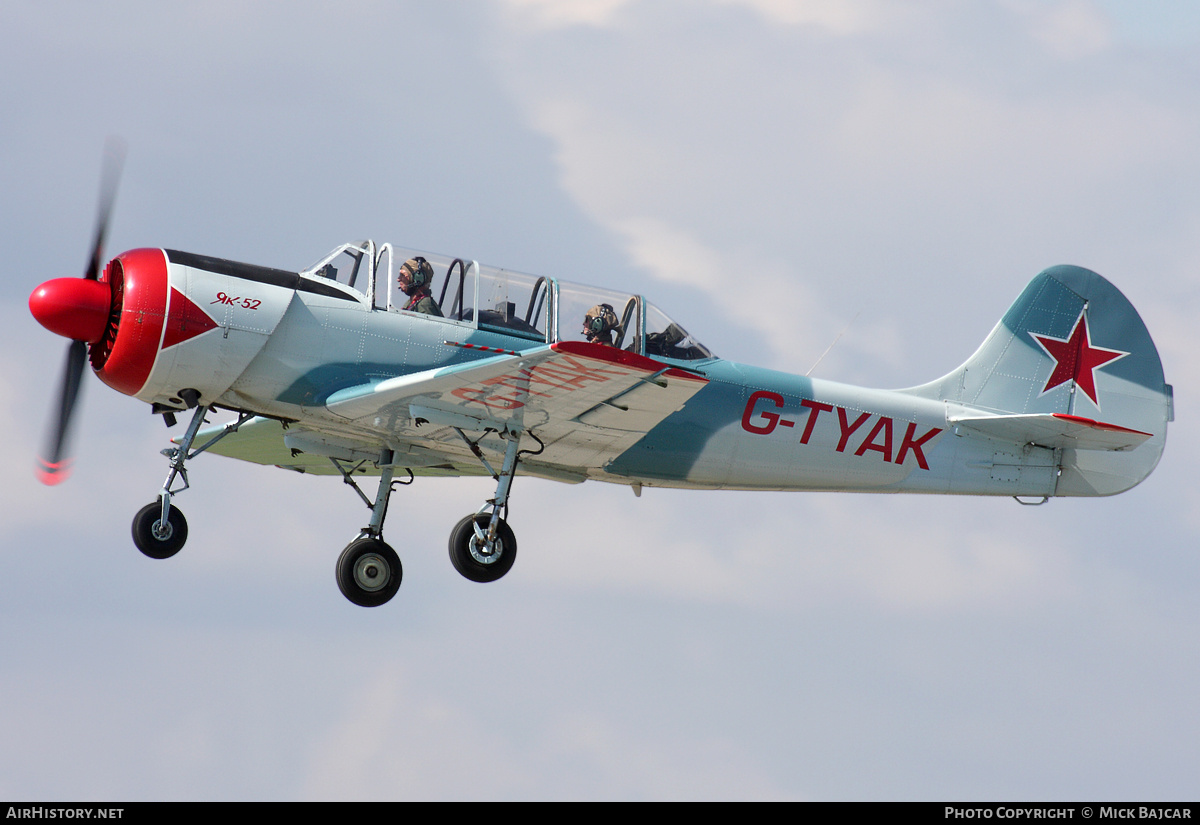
point(600, 352)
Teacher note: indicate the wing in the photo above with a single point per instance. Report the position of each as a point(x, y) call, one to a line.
point(584, 405)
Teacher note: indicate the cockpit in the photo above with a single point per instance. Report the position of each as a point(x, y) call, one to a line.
point(532, 307)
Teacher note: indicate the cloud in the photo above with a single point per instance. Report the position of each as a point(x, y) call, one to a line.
point(882, 175)
point(357, 758)
point(669, 253)
point(566, 753)
point(837, 16)
point(557, 14)
point(1069, 29)
point(793, 553)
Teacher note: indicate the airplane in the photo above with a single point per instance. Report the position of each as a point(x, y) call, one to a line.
point(332, 370)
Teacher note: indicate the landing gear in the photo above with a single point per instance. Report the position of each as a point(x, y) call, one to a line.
point(160, 530)
point(156, 538)
point(474, 556)
point(369, 572)
point(482, 545)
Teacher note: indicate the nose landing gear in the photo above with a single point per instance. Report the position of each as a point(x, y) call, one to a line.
point(156, 538)
point(160, 530)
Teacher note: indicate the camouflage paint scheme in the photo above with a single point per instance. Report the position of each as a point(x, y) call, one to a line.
point(1066, 396)
point(329, 373)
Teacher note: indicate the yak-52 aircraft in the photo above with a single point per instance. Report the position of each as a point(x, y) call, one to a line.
point(329, 373)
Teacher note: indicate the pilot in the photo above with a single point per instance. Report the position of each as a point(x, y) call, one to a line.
point(415, 279)
point(666, 343)
point(599, 324)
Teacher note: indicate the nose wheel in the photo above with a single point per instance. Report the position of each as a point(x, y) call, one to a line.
point(369, 572)
point(155, 537)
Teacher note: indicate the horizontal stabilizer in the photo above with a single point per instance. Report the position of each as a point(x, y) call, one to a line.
point(1053, 430)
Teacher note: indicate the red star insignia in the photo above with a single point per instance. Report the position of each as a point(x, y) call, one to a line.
point(1076, 359)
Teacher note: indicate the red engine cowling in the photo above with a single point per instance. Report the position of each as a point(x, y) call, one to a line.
point(121, 315)
point(146, 316)
point(125, 353)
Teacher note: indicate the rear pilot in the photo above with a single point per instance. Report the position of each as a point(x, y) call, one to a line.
point(599, 324)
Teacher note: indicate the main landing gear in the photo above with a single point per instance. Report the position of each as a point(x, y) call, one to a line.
point(368, 570)
point(482, 545)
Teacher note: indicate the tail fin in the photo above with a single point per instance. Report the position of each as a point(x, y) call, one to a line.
point(1071, 367)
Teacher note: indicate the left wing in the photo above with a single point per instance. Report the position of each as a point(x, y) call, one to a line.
point(584, 403)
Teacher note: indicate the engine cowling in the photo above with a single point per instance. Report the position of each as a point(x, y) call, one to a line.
point(160, 322)
point(124, 356)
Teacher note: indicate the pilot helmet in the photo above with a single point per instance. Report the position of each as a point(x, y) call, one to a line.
point(599, 322)
point(415, 274)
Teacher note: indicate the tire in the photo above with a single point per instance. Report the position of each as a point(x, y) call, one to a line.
point(155, 546)
point(475, 566)
point(369, 572)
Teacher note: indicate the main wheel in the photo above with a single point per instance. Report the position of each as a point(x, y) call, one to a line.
point(472, 558)
point(369, 572)
point(152, 537)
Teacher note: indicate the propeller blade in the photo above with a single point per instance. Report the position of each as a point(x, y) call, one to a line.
point(110, 174)
point(54, 464)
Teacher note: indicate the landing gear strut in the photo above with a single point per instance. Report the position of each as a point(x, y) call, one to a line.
point(368, 570)
point(482, 545)
point(160, 530)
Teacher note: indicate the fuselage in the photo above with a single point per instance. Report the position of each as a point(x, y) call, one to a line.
point(280, 344)
point(283, 351)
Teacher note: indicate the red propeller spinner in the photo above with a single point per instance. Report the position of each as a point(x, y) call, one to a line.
point(75, 308)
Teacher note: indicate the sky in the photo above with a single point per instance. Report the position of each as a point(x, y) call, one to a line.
point(771, 173)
